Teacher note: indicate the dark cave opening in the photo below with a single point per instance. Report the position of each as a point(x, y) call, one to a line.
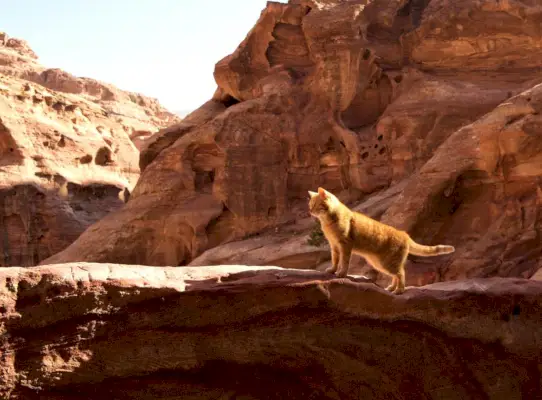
point(203, 179)
point(229, 101)
point(413, 9)
point(103, 156)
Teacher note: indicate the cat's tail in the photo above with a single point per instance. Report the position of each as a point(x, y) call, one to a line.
point(428, 251)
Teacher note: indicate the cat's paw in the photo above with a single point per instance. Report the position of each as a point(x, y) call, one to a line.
point(331, 270)
point(399, 291)
point(390, 288)
point(341, 274)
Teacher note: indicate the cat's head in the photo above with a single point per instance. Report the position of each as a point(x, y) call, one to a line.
point(320, 202)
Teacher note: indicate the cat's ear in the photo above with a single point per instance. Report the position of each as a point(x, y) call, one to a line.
point(322, 192)
point(312, 194)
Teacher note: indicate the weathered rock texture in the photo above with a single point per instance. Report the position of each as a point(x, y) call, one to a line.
point(66, 158)
point(432, 106)
point(131, 332)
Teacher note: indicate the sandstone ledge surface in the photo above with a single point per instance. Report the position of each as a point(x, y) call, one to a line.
point(83, 330)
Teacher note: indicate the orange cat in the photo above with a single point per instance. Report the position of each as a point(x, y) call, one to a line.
point(383, 246)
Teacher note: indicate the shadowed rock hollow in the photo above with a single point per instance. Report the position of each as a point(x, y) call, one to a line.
point(80, 331)
point(431, 107)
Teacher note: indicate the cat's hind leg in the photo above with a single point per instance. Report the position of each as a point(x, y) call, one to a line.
point(393, 285)
point(400, 281)
point(376, 263)
point(394, 265)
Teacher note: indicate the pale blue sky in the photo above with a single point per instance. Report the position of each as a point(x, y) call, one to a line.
point(161, 48)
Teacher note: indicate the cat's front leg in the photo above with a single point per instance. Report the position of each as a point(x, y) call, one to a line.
point(335, 258)
point(345, 254)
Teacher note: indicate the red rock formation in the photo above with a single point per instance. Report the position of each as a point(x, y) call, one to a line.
point(428, 104)
point(66, 159)
point(111, 331)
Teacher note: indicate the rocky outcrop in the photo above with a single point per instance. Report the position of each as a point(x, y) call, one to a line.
point(124, 332)
point(420, 102)
point(66, 158)
point(18, 50)
point(134, 112)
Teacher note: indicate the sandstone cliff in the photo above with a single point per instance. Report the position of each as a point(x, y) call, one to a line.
point(66, 155)
point(133, 332)
point(423, 113)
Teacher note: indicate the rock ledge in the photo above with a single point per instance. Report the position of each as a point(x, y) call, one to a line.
point(86, 330)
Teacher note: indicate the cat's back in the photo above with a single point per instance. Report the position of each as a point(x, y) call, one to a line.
point(363, 221)
point(367, 228)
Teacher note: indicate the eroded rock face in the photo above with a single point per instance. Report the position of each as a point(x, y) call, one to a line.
point(66, 156)
point(415, 99)
point(448, 36)
point(124, 332)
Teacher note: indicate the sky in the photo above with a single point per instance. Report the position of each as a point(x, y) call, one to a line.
point(161, 48)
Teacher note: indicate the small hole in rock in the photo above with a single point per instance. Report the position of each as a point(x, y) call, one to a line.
point(58, 106)
point(376, 146)
point(229, 101)
point(516, 310)
point(380, 137)
point(342, 144)
point(55, 291)
point(398, 78)
point(365, 155)
point(382, 151)
point(203, 178)
point(103, 156)
point(23, 285)
point(528, 99)
point(86, 159)
point(366, 54)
